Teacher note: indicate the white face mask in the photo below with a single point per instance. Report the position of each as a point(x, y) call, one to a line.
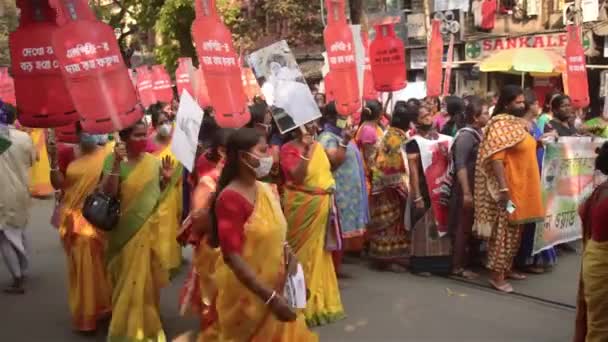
point(265, 166)
point(164, 130)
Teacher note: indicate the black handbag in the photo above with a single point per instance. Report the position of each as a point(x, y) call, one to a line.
point(101, 210)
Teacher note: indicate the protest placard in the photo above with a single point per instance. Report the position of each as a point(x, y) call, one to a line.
point(185, 135)
point(283, 86)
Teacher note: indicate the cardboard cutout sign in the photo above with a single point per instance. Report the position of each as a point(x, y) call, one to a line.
point(40, 91)
point(330, 95)
point(387, 59)
point(576, 69)
point(182, 76)
point(162, 84)
point(434, 57)
point(201, 90)
point(93, 68)
point(341, 56)
point(218, 62)
point(7, 87)
point(145, 86)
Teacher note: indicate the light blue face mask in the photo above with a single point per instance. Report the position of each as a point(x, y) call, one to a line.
point(90, 140)
point(101, 139)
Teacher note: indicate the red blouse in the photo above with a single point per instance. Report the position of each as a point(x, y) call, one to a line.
point(290, 159)
point(65, 155)
point(232, 211)
point(599, 217)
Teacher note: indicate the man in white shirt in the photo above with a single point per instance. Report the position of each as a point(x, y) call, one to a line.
point(15, 163)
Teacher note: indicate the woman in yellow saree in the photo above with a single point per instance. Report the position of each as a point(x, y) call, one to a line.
point(249, 227)
point(137, 179)
point(40, 181)
point(89, 292)
point(170, 208)
point(313, 229)
point(592, 301)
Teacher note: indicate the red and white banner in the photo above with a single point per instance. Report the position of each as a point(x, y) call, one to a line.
point(145, 86)
point(162, 84)
point(183, 79)
point(576, 69)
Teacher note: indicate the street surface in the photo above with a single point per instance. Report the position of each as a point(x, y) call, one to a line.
point(380, 306)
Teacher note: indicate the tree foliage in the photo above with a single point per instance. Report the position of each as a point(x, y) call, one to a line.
point(8, 23)
point(257, 25)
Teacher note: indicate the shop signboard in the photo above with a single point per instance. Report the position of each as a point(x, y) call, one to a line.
point(481, 49)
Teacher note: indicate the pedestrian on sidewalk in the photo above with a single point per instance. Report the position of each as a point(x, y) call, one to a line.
point(15, 201)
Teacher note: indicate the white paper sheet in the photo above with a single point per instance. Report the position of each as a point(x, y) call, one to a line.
point(185, 135)
point(295, 289)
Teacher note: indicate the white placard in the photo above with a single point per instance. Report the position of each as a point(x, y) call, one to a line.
point(445, 5)
point(185, 135)
point(284, 86)
point(295, 289)
point(591, 10)
point(416, 25)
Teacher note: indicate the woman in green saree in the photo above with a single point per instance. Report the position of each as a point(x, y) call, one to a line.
point(140, 181)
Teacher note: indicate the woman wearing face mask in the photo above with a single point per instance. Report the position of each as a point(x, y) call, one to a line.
point(170, 209)
point(249, 228)
point(563, 117)
point(313, 230)
point(507, 186)
point(546, 259)
point(140, 182)
point(89, 290)
point(426, 152)
point(351, 194)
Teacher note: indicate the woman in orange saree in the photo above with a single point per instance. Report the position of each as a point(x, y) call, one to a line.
point(40, 182)
point(250, 229)
point(89, 291)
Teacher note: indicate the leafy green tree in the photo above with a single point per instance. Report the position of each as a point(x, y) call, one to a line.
point(8, 23)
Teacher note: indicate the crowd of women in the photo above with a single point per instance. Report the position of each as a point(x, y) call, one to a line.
point(429, 188)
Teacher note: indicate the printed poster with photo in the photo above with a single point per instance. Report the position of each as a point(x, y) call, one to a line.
point(185, 136)
point(283, 86)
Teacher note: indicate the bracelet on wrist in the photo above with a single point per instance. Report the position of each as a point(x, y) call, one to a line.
point(272, 296)
point(304, 158)
point(419, 199)
point(503, 190)
point(342, 144)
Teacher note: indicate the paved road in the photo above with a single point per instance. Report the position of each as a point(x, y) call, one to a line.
point(380, 306)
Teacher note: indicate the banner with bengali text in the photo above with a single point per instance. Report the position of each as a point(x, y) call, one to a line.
point(568, 177)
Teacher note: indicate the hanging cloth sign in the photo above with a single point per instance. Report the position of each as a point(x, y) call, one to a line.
point(218, 63)
point(576, 69)
point(40, 91)
point(434, 57)
point(182, 76)
point(145, 86)
point(162, 84)
point(7, 87)
point(341, 56)
point(448, 67)
point(93, 68)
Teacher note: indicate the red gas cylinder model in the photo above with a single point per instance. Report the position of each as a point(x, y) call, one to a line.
point(387, 59)
point(434, 66)
point(219, 66)
point(576, 69)
point(40, 90)
point(182, 76)
point(330, 95)
point(93, 68)
point(162, 84)
point(145, 86)
point(341, 56)
point(250, 84)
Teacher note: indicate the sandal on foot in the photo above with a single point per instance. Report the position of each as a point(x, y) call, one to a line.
point(516, 276)
point(466, 274)
point(505, 288)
